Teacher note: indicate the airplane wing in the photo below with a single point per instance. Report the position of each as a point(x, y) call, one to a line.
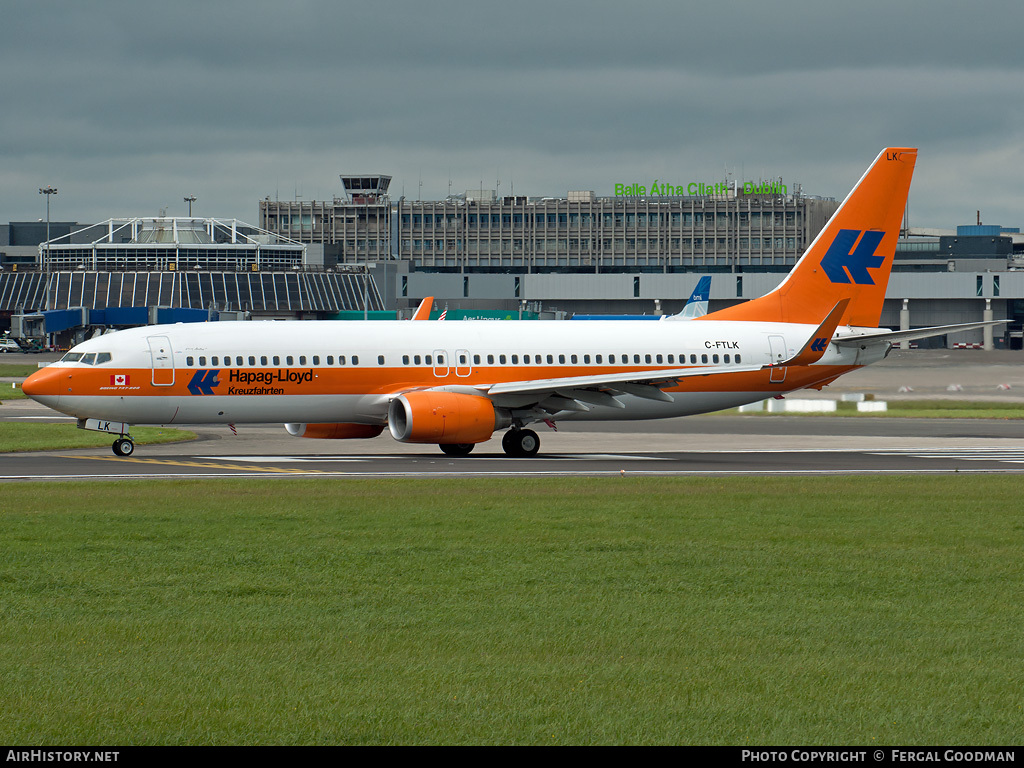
point(602, 389)
point(574, 393)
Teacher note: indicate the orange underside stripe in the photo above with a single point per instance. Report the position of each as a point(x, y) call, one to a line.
point(384, 380)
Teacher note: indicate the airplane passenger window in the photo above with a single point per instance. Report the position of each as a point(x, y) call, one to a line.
point(316, 359)
point(102, 357)
point(725, 358)
point(252, 359)
point(737, 358)
point(355, 360)
point(462, 359)
point(289, 359)
point(277, 360)
point(647, 358)
point(330, 359)
point(416, 359)
point(380, 359)
point(515, 359)
point(561, 358)
point(671, 359)
point(704, 359)
point(476, 359)
point(189, 362)
point(89, 359)
point(405, 359)
point(341, 359)
point(202, 361)
point(440, 359)
point(501, 359)
point(636, 358)
point(714, 359)
point(213, 360)
point(597, 359)
point(657, 359)
point(263, 360)
point(302, 359)
point(693, 359)
point(586, 359)
point(428, 359)
point(611, 359)
point(573, 359)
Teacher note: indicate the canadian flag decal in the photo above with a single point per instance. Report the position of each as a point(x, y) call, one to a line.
point(119, 380)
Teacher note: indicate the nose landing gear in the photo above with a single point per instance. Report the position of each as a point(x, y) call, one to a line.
point(123, 446)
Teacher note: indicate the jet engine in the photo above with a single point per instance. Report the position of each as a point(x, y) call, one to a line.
point(444, 418)
point(335, 431)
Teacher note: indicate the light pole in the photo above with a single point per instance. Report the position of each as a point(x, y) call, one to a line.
point(190, 199)
point(47, 191)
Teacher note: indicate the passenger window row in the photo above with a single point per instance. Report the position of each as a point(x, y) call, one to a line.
point(439, 360)
point(240, 361)
point(98, 358)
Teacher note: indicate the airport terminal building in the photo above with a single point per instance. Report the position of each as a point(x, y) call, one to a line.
point(634, 253)
point(134, 271)
point(640, 254)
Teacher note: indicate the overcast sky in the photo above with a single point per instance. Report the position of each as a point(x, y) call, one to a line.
point(127, 107)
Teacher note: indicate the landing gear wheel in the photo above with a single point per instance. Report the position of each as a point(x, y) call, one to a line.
point(521, 443)
point(123, 446)
point(456, 449)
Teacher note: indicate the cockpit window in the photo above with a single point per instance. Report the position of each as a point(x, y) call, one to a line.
point(88, 359)
point(71, 357)
point(102, 357)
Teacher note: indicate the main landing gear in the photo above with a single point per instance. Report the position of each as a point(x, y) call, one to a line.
point(521, 443)
point(123, 446)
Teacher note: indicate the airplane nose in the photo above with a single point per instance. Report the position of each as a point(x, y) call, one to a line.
point(45, 383)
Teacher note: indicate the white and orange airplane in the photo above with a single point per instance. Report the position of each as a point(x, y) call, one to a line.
point(456, 384)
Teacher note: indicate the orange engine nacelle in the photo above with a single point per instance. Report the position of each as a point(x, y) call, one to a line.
point(443, 417)
point(335, 431)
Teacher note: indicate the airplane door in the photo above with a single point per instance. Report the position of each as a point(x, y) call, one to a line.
point(440, 363)
point(163, 360)
point(777, 344)
point(463, 366)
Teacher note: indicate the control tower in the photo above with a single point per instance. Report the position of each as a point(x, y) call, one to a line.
point(366, 190)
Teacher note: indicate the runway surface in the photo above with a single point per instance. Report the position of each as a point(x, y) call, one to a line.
point(703, 445)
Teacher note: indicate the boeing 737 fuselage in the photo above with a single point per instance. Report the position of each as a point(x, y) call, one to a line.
point(456, 383)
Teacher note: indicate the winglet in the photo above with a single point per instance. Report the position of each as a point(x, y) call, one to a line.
point(423, 310)
point(819, 341)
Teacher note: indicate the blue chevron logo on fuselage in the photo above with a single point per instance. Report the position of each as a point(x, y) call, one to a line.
point(842, 262)
point(203, 382)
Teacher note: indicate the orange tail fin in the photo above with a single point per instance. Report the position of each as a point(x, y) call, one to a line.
point(851, 258)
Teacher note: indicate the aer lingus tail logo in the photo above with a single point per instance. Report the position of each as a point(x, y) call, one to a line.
point(844, 264)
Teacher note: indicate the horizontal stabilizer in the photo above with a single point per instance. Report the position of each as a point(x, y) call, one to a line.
point(917, 333)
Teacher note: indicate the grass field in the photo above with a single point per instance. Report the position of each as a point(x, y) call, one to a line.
point(655, 611)
point(20, 436)
point(17, 369)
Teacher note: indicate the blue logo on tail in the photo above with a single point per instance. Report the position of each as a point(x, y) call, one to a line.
point(841, 258)
point(203, 382)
